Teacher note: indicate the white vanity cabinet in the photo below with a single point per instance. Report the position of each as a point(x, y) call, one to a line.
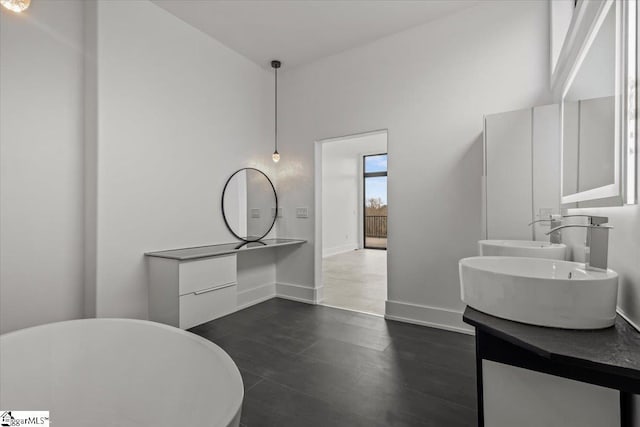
point(188, 293)
point(190, 286)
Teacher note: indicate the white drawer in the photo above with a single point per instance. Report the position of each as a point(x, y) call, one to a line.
point(207, 273)
point(197, 308)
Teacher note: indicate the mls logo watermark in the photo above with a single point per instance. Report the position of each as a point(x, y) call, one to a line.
point(24, 418)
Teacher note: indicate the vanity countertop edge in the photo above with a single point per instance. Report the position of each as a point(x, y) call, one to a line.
point(208, 251)
point(614, 350)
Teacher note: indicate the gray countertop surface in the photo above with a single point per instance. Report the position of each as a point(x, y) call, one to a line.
point(185, 254)
point(614, 350)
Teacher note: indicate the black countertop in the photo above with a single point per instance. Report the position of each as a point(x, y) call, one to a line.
point(614, 350)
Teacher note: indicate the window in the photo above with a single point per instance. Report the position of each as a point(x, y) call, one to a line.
point(375, 201)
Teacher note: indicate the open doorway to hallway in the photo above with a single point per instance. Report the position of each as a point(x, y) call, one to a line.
point(354, 222)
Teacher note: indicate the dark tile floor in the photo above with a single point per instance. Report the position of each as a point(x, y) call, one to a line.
point(306, 365)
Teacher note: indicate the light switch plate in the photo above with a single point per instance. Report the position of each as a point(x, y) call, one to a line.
point(255, 213)
point(273, 211)
point(302, 212)
point(544, 213)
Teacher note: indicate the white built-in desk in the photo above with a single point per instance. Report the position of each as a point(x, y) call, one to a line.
point(190, 286)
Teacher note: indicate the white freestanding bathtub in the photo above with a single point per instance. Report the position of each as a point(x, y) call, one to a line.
point(119, 372)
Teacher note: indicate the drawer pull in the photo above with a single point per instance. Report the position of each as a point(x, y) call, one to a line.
point(214, 288)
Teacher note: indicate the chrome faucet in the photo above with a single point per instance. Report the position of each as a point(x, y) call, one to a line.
point(597, 251)
point(593, 220)
point(555, 221)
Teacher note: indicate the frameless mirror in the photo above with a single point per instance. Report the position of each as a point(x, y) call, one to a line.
point(249, 204)
point(595, 142)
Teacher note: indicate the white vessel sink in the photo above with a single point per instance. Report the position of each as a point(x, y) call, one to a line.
point(522, 248)
point(542, 292)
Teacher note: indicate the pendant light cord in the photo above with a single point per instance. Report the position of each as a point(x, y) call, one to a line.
point(276, 111)
point(276, 156)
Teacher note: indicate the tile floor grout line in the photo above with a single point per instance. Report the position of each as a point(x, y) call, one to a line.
point(359, 377)
point(330, 404)
point(256, 383)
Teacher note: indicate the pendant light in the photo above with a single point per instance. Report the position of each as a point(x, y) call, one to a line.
point(276, 156)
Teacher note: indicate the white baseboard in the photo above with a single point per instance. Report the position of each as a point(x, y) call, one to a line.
point(298, 293)
point(256, 295)
point(326, 252)
point(352, 309)
point(441, 318)
point(626, 317)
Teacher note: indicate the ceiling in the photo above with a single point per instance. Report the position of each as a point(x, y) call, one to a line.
point(298, 31)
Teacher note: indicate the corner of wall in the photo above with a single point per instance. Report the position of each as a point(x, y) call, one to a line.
point(436, 317)
point(299, 293)
point(90, 112)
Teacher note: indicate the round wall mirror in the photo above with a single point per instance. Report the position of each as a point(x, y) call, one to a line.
point(249, 204)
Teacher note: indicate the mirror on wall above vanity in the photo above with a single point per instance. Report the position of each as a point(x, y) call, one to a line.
point(598, 109)
point(249, 204)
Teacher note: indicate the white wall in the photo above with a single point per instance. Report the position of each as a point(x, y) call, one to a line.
point(546, 166)
point(256, 276)
point(177, 113)
point(261, 204)
point(624, 252)
point(342, 190)
point(596, 77)
point(430, 87)
point(596, 143)
point(522, 155)
point(235, 203)
point(509, 174)
point(570, 147)
point(561, 12)
point(41, 165)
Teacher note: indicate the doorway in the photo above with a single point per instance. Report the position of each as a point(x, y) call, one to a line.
point(351, 212)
